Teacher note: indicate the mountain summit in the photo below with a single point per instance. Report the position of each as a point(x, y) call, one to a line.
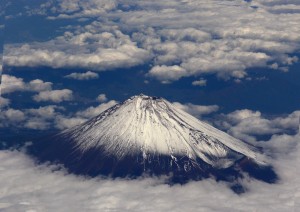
point(146, 135)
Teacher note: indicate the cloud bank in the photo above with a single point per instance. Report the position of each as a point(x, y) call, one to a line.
point(26, 186)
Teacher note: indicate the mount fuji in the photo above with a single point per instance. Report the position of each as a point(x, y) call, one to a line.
point(149, 136)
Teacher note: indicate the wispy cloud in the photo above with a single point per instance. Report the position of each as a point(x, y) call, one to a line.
point(83, 76)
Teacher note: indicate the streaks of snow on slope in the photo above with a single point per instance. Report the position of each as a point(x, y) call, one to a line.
point(151, 125)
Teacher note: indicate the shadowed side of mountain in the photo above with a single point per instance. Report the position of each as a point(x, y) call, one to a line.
point(178, 169)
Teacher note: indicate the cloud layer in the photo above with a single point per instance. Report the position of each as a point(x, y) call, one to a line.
point(178, 38)
point(26, 186)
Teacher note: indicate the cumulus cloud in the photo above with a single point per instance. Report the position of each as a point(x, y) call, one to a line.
point(4, 102)
point(64, 122)
point(39, 85)
point(41, 118)
point(11, 84)
point(94, 111)
point(167, 73)
point(56, 96)
point(35, 118)
point(83, 76)
point(88, 47)
point(247, 124)
point(46, 112)
point(50, 116)
point(196, 110)
point(179, 39)
point(12, 115)
point(78, 9)
point(101, 98)
point(200, 82)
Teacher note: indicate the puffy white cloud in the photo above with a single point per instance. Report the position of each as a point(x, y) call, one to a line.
point(101, 98)
point(11, 116)
point(63, 122)
point(196, 110)
point(46, 112)
point(83, 76)
point(49, 117)
point(4, 102)
point(219, 37)
point(39, 85)
point(200, 82)
point(94, 111)
point(290, 121)
point(247, 124)
point(79, 9)
point(35, 118)
point(11, 84)
point(194, 38)
point(88, 47)
point(239, 115)
point(167, 73)
point(56, 96)
point(37, 124)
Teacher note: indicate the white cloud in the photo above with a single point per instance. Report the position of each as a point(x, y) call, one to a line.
point(35, 118)
point(247, 124)
point(11, 116)
point(37, 124)
point(194, 38)
point(239, 115)
point(201, 82)
point(197, 38)
point(4, 102)
point(11, 84)
point(46, 112)
point(83, 76)
point(196, 110)
point(56, 96)
point(24, 186)
point(94, 111)
point(39, 85)
point(88, 47)
point(101, 98)
point(78, 9)
point(63, 122)
point(51, 116)
point(167, 73)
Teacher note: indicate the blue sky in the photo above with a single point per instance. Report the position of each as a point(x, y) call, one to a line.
point(229, 54)
point(234, 64)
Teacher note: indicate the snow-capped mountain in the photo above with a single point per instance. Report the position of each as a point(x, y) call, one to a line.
point(146, 134)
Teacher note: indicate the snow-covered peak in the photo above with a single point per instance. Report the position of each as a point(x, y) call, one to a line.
point(153, 126)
